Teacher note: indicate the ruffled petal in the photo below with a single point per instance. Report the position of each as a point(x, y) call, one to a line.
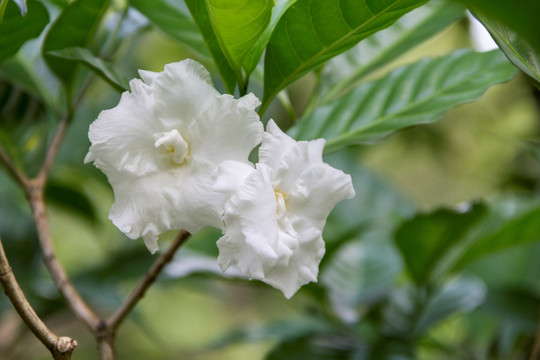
point(318, 190)
point(287, 157)
point(231, 176)
point(122, 136)
point(150, 205)
point(253, 239)
point(146, 206)
point(227, 130)
point(182, 90)
point(303, 266)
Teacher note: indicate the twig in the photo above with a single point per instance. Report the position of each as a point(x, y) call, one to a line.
point(148, 279)
point(74, 300)
point(53, 149)
point(61, 348)
point(12, 169)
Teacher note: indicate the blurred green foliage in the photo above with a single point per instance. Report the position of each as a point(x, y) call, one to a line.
point(435, 258)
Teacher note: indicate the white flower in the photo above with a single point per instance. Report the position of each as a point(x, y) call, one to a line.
point(161, 145)
point(275, 214)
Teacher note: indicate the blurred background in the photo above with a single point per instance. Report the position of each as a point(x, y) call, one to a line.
point(486, 152)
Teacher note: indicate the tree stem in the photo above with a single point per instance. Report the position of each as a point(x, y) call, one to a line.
point(61, 348)
point(148, 279)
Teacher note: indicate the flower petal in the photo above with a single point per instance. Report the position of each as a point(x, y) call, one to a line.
point(150, 205)
point(227, 130)
point(303, 266)
point(287, 157)
point(119, 136)
point(318, 190)
point(253, 239)
point(182, 90)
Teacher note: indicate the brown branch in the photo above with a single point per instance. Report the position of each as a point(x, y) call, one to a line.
point(61, 348)
point(148, 279)
point(53, 149)
point(70, 294)
point(12, 169)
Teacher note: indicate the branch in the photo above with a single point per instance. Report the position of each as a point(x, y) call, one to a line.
point(74, 300)
point(53, 149)
point(148, 279)
point(61, 348)
point(12, 169)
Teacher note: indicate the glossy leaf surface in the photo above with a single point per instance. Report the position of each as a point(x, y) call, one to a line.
point(74, 27)
point(413, 94)
point(313, 31)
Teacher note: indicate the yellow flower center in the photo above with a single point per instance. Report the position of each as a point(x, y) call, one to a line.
point(172, 146)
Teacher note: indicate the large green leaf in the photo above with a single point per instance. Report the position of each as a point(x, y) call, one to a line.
point(519, 230)
point(314, 347)
point(16, 29)
point(414, 94)
point(377, 205)
point(103, 69)
point(457, 296)
point(202, 17)
point(521, 17)
point(346, 70)
point(171, 20)
point(313, 31)
point(412, 311)
point(71, 198)
point(19, 71)
point(24, 127)
point(518, 50)
point(236, 27)
point(239, 25)
point(253, 56)
point(360, 273)
point(74, 27)
point(424, 240)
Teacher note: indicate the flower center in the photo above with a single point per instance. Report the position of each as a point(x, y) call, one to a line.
point(281, 204)
point(172, 146)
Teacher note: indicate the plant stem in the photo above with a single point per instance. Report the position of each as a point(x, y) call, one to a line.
point(57, 272)
point(61, 348)
point(148, 279)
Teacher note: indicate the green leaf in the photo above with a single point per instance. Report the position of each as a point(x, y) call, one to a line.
point(519, 230)
point(413, 94)
point(24, 128)
point(252, 57)
point(200, 13)
point(290, 328)
point(457, 296)
point(313, 31)
point(519, 307)
point(377, 205)
point(22, 6)
point(3, 6)
point(15, 29)
point(519, 51)
point(73, 28)
point(238, 25)
point(424, 240)
point(105, 70)
point(347, 70)
point(70, 198)
point(523, 19)
point(19, 71)
point(360, 273)
point(171, 20)
point(313, 347)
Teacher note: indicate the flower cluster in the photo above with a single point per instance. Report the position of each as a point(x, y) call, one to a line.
point(176, 154)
